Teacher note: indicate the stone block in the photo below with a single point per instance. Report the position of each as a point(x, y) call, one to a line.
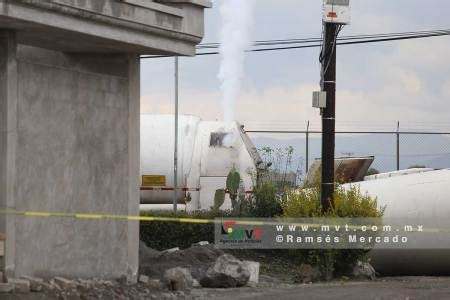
point(144, 279)
point(6, 287)
point(20, 285)
point(227, 272)
point(64, 283)
point(36, 284)
point(171, 250)
point(201, 243)
point(253, 268)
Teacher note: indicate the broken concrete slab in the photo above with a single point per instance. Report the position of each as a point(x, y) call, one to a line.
point(227, 272)
point(64, 283)
point(253, 268)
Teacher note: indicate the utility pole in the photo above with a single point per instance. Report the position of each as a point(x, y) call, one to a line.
point(336, 14)
point(328, 114)
point(175, 152)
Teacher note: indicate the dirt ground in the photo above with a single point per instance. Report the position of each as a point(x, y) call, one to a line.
point(404, 288)
point(393, 288)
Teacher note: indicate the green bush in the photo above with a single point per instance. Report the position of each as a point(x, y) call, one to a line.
point(164, 235)
point(305, 203)
point(265, 203)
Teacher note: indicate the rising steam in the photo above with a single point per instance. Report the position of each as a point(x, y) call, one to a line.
point(237, 20)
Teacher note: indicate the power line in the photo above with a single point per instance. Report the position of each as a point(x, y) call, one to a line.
point(349, 40)
point(311, 40)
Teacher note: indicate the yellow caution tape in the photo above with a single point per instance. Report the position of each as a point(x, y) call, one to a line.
point(180, 220)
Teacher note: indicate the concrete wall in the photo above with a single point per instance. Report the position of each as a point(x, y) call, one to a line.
point(76, 151)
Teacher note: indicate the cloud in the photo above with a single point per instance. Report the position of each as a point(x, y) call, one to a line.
point(377, 84)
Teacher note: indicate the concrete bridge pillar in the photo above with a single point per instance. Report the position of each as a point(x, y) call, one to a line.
point(69, 128)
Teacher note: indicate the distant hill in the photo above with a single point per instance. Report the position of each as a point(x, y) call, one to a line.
point(439, 162)
point(429, 150)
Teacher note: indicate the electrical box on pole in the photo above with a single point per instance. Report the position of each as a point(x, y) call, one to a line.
point(319, 99)
point(336, 11)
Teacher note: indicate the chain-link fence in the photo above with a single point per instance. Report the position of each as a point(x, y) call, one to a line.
point(393, 150)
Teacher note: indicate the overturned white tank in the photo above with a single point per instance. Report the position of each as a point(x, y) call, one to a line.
point(207, 151)
point(417, 196)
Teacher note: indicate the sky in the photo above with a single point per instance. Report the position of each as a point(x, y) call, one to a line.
point(377, 84)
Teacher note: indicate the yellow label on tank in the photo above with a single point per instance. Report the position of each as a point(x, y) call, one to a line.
point(153, 180)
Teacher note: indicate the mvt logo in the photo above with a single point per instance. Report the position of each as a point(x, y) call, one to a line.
point(230, 231)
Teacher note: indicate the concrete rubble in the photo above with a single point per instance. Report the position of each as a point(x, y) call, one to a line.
point(20, 285)
point(63, 283)
point(201, 265)
point(63, 288)
point(171, 250)
point(227, 272)
point(178, 279)
point(36, 284)
point(167, 275)
point(201, 243)
point(6, 287)
point(143, 279)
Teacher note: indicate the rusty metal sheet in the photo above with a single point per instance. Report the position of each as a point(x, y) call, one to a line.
point(346, 169)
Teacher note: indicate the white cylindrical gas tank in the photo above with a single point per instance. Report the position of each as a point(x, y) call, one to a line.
point(422, 197)
point(157, 155)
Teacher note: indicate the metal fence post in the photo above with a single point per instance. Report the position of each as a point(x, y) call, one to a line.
point(398, 145)
point(175, 152)
point(307, 149)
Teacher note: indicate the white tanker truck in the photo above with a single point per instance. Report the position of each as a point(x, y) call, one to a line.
point(207, 151)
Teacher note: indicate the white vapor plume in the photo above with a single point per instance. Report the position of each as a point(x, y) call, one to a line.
point(237, 21)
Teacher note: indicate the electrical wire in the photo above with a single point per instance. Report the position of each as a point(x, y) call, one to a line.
point(311, 40)
point(333, 48)
point(350, 40)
